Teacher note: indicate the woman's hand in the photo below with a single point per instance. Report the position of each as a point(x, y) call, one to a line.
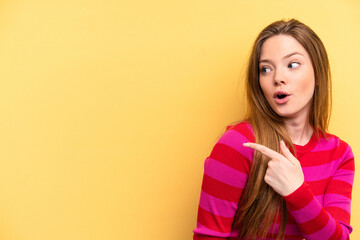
point(284, 173)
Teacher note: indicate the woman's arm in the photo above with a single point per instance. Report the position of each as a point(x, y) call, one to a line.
point(225, 174)
point(331, 221)
point(314, 221)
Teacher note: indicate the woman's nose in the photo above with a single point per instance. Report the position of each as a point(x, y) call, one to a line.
point(278, 78)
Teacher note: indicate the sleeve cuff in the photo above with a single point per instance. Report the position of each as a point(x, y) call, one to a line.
point(299, 198)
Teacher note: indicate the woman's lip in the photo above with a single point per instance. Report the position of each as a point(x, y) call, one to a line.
point(283, 100)
point(280, 93)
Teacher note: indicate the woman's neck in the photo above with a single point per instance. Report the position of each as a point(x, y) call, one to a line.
point(300, 131)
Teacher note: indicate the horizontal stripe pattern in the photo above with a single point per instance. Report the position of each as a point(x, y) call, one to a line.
point(217, 206)
point(319, 209)
point(324, 233)
point(232, 139)
point(225, 174)
point(320, 172)
point(213, 222)
point(311, 210)
point(221, 190)
point(206, 231)
point(326, 145)
point(337, 200)
point(230, 157)
point(344, 175)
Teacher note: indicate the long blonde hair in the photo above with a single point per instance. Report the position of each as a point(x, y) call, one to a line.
point(259, 203)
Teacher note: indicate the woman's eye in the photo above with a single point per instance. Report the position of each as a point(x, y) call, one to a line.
point(264, 70)
point(294, 65)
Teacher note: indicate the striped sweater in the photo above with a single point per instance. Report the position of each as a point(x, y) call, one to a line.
point(318, 209)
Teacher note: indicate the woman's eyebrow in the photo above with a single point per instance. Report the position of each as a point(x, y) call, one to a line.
point(291, 54)
point(264, 60)
point(287, 56)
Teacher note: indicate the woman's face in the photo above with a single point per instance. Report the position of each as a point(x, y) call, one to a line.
point(286, 76)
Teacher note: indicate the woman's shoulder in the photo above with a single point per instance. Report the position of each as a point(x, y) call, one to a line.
point(334, 139)
point(239, 130)
point(230, 147)
point(332, 142)
point(239, 125)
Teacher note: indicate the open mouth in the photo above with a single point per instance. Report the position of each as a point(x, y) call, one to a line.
point(281, 96)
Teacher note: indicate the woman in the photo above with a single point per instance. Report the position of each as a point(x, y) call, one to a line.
point(279, 174)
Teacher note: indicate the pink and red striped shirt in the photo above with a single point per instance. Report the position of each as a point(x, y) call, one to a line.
point(319, 209)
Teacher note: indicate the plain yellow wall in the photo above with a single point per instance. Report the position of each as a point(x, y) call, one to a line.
point(109, 108)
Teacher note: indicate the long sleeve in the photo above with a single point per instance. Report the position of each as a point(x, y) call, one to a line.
point(225, 174)
point(319, 209)
point(330, 220)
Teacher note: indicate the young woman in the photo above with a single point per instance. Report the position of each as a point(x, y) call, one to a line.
point(279, 174)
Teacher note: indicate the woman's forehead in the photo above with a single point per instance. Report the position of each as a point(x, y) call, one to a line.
point(280, 47)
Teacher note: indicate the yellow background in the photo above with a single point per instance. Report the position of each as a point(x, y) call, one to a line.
point(109, 108)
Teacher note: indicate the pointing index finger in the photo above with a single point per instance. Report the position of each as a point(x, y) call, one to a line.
point(261, 148)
